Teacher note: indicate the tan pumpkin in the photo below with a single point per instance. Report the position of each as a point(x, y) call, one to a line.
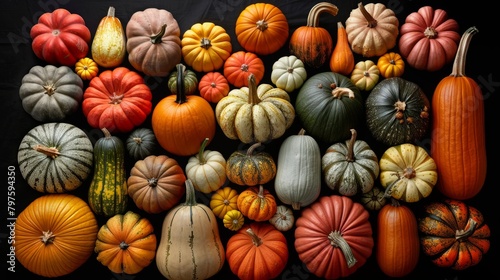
point(255, 113)
point(156, 183)
point(372, 29)
point(224, 200)
point(365, 75)
point(342, 59)
point(407, 172)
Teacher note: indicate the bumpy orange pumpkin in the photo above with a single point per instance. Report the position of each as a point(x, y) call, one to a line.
point(240, 65)
point(257, 203)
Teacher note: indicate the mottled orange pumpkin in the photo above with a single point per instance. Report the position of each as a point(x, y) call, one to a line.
point(257, 203)
point(250, 167)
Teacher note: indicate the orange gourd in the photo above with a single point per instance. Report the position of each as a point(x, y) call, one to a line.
point(257, 203)
point(213, 86)
point(312, 43)
point(261, 28)
point(342, 59)
point(398, 246)
point(458, 136)
point(240, 65)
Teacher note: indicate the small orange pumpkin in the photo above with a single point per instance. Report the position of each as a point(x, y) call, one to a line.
point(224, 200)
point(86, 68)
point(240, 65)
point(257, 203)
point(213, 86)
point(390, 65)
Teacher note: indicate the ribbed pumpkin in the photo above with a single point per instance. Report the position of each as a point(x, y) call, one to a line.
point(182, 122)
point(109, 42)
point(328, 106)
point(391, 64)
point(453, 234)
point(190, 246)
point(261, 28)
point(51, 93)
point(342, 59)
point(257, 113)
point(351, 167)
point(283, 219)
point(156, 183)
point(298, 176)
point(257, 251)
point(233, 220)
point(365, 75)
point(190, 81)
point(240, 65)
point(397, 112)
point(397, 250)
point(224, 200)
point(312, 43)
point(55, 157)
point(55, 235)
point(153, 42)
point(86, 68)
point(333, 237)
point(458, 118)
point(288, 73)
point(374, 199)
point(206, 46)
point(251, 167)
point(213, 86)
point(257, 203)
point(141, 142)
point(126, 243)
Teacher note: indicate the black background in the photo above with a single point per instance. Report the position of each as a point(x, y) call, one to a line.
point(17, 57)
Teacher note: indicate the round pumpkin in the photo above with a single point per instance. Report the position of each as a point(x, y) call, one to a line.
point(118, 100)
point(251, 167)
point(257, 203)
point(283, 219)
point(55, 157)
point(190, 81)
point(224, 200)
point(156, 183)
point(86, 68)
point(257, 251)
point(240, 65)
point(374, 199)
point(261, 28)
point(141, 142)
point(288, 73)
point(60, 37)
point(213, 86)
point(333, 237)
point(126, 243)
point(391, 65)
point(365, 75)
point(51, 93)
point(233, 220)
point(55, 235)
point(206, 46)
point(397, 112)
point(153, 42)
point(328, 106)
point(453, 234)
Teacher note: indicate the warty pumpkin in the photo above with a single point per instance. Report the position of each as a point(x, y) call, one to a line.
point(365, 75)
point(240, 65)
point(333, 237)
point(257, 203)
point(257, 113)
point(342, 58)
point(156, 183)
point(261, 28)
point(458, 118)
point(251, 167)
point(153, 36)
point(55, 157)
point(288, 73)
point(453, 234)
point(257, 251)
point(55, 235)
point(372, 29)
point(109, 42)
point(126, 243)
point(213, 86)
point(50, 93)
point(206, 46)
point(312, 43)
point(86, 68)
point(224, 200)
point(190, 245)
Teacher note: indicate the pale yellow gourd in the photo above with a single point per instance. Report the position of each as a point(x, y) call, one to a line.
point(108, 45)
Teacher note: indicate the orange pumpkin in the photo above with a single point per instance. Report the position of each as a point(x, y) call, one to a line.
point(342, 59)
point(126, 243)
point(257, 251)
point(257, 204)
point(55, 235)
point(240, 65)
point(224, 200)
point(312, 43)
point(250, 167)
point(458, 110)
point(213, 86)
point(391, 65)
point(86, 68)
point(181, 122)
point(261, 28)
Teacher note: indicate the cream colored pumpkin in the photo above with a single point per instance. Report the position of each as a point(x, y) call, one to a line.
point(372, 29)
point(255, 114)
point(365, 75)
point(288, 73)
point(207, 169)
point(407, 172)
point(283, 219)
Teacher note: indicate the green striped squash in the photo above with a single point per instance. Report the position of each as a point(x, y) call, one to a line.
point(108, 194)
point(190, 246)
point(55, 157)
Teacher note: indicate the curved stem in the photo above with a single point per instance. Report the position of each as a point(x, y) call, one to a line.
point(156, 38)
point(252, 148)
point(461, 234)
point(317, 10)
point(190, 194)
point(337, 240)
point(350, 146)
point(253, 98)
point(257, 241)
point(458, 69)
point(372, 23)
point(201, 157)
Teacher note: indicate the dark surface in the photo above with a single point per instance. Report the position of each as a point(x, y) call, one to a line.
point(17, 58)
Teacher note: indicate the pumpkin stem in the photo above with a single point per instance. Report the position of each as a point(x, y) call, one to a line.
point(52, 152)
point(205, 43)
point(260, 194)
point(156, 38)
point(296, 205)
point(47, 237)
point(257, 241)
point(371, 22)
point(317, 10)
point(253, 98)
point(123, 245)
point(49, 89)
point(302, 131)
point(181, 96)
point(106, 132)
point(389, 189)
point(338, 92)
point(337, 240)
point(430, 32)
point(111, 12)
point(201, 152)
point(262, 25)
point(350, 146)
point(252, 148)
point(458, 69)
point(461, 234)
point(190, 194)
point(153, 182)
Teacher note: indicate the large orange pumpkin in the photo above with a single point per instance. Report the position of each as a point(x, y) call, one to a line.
point(181, 122)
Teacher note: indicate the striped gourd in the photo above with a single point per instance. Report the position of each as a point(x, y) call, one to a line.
point(108, 194)
point(55, 157)
point(190, 246)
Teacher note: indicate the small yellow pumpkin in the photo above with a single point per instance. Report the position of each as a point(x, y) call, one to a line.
point(224, 200)
point(391, 64)
point(365, 75)
point(86, 68)
point(233, 220)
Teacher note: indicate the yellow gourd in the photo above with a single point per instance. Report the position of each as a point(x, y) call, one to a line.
point(108, 45)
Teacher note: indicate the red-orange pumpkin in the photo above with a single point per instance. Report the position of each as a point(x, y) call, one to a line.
point(257, 251)
point(240, 65)
point(213, 86)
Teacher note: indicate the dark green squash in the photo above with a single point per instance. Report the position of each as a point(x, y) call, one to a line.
point(397, 112)
point(190, 80)
point(328, 106)
point(108, 193)
point(141, 143)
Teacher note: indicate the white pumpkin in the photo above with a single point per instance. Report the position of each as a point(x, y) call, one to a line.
point(365, 75)
point(288, 73)
point(283, 219)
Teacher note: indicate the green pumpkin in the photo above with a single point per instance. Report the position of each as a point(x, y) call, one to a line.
point(328, 106)
point(141, 143)
point(190, 80)
point(397, 112)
